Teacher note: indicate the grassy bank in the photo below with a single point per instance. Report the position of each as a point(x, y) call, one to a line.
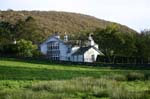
point(43, 80)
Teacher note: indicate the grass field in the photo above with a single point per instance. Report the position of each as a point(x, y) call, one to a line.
point(31, 79)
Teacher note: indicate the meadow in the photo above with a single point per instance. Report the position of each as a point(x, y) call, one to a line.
point(32, 79)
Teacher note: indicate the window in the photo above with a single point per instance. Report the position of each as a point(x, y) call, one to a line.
point(53, 51)
point(93, 58)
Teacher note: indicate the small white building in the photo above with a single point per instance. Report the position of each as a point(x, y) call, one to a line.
point(57, 49)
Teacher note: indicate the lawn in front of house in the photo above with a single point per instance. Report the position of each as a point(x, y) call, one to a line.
point(44, 80)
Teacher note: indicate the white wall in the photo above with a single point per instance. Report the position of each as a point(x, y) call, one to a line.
point(63, 51)
point(43, 47)
point(88, 55)
point(63, 48)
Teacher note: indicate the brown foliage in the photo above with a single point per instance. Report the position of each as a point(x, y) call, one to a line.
point(51, 21)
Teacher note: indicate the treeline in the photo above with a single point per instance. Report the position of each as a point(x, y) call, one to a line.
point(123, 47)
point(51, 21)
point(21, 38)
point(23, 28)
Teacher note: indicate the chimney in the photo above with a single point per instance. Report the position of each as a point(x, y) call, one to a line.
point(65, 37)
point(57, 35)
point(91, 41)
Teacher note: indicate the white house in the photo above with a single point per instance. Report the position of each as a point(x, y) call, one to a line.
point(57, 49)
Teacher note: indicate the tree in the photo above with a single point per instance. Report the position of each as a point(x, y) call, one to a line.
point(22, 29)
point(29, 30)
point(25, 48)
point(142, 43)
point(114, 43)
point(6, 36)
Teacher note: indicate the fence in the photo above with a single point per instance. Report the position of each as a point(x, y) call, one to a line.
point(94, 64)
point(123, 60)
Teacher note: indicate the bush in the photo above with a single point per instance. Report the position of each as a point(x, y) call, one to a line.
point(135, 76)
point(38, 54)
point(121, 93)
point(8, 49)
point(26, 48)
point(117, 77)
point(100, 92)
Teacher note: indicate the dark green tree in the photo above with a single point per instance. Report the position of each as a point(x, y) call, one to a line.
point(6, 36)
point(143, 44)
point(114, 43)
point(29, 30)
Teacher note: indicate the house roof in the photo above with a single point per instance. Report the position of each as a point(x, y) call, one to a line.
point(46, 41)
point(70, 43)
point(82, 50)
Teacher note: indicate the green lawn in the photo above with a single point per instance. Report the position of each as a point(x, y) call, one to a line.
point(44, 80)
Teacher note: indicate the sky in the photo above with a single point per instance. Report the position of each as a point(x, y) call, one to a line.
point(132, 13)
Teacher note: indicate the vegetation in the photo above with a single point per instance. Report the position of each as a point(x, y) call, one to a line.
point(36, 26)
point(114, 43)
point(114, 40)
point(142, 43)
point(22, 31)
point(22, 48)
point(25, 48)
point(31, 79)
point(51, 21)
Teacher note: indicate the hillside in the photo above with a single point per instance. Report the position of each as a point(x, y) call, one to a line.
point(51, 21)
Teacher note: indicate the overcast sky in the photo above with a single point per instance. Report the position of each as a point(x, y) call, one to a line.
point(133, 13)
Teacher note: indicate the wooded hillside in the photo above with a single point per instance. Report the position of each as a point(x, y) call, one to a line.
point(51, 21)
point(20, 29)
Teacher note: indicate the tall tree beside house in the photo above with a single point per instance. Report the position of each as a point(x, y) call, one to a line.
point(6, 35)
point(143, 44)
point(28, 29)
point(128, 46)
point(22, 29)
point(114, 43)
point(6, 38)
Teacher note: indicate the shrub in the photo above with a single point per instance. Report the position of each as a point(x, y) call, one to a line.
point(26, 48)
point(117, 77)
point(29, 95)
point(8, 49)
point(100, 92)
point(147, 76)
point(121, 93)
point(81, 84)
point(36, 53)
point(135, 76)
